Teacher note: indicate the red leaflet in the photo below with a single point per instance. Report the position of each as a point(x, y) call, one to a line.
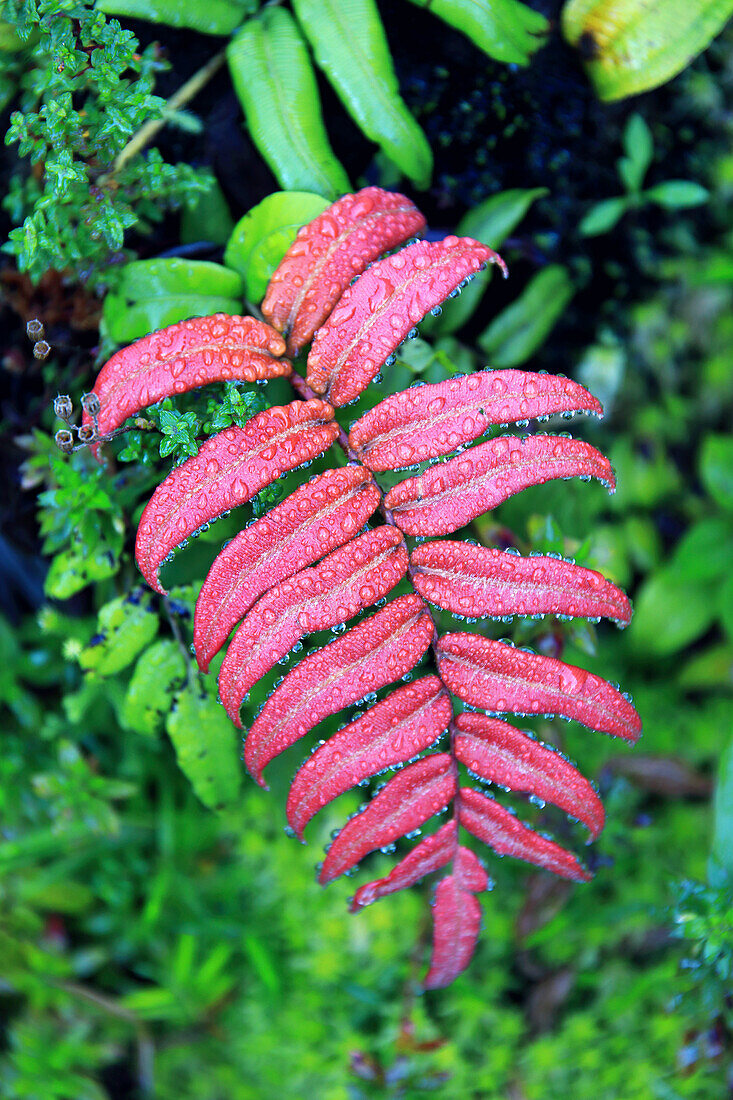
point(323, 514)
point(327, 254)
point(181, 358)
point(229, 470)
point(452, 493)
point(506, 834)
point(429, 855)
point(497, 751)
point(374, 653)
point(500, 678)
point(410, 798)
point(374, 315)
point(478, 581)
point(456, 925)
point(391, 732)
point(343, 584)
point(426, 421)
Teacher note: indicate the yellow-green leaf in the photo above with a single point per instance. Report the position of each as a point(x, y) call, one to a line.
point(630, 46)
point(504, 29)
point(206, 747)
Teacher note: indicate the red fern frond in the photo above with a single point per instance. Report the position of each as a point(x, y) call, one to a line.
point(183, 357)
point(375, 314)
point(428, 421)
point(309, 564)
point(327, 254)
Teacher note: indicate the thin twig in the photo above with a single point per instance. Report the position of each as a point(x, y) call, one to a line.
point(146, 133)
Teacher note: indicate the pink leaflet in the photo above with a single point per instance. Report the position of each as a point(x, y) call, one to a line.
point(478, 581)
point(410, 798)
point(229, 470)
point(319, 516)
point(502, 754)
point(452, 493)
point(500, 678)
point(429, 855)
point(426, 421)
point(505, 833)
point(374, 315)
point(408, 721)
point(335, 590)
point(326, 255)
point(456, 925)
point(183, 357)
point(372, 654)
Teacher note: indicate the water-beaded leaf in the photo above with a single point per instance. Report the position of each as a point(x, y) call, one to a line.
point(229, 470)
point(429, 855)
point(183, 357)
point(319, 516)
point(450, 494)
point(408, 721)
point(504, 679)
point(456, 925)
point(374, 653)
point(329, 252)
point(505, 833)
point(206, 748)
point(410, 798)
point(341, 586)
point(496, 751)
point(350, 46)
point(479, 581)
point(273, 78)
point(427, 421)
point(380, 309)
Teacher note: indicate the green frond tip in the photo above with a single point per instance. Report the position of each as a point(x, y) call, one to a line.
point(504, 29)
point(350, 47)
point(276, 85)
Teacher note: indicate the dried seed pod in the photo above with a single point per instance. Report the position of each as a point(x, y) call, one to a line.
point(41, 350)
point(90, 404)
point(35, 330)
point(63, 406)
point(64, 440)
point(87, 433)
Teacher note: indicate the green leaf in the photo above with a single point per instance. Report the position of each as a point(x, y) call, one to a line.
point(721, 858)
point(522, 328)
point(602, 217)
point(206, 748)
point(261, 238)
point(504, 29)
point(601, 370)
point(160, 669)
point(677, 194)
point(276, 86)
point(80, 565)
point(124, 627)
point(669, 613)
point(708, 670)
point(154, 293)
point(633, 45)
point(490, 222)
point(705, 551)
point(716, 469)
point(350, 46)
point(206, 217)
point(205, 16)
point(639, 149)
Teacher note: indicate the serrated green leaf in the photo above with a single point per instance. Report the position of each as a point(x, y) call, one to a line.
point(205, 16)
point(504, 29)
point(155, 293)
point(716, 469)
point(276, 86)
point(522, 328)
point(634, 45)
point(160, 669)
point(206, 748)
point(350, 46)
point(678, 194)
point(124, 627)
point(602, 217)
point(261, 238)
